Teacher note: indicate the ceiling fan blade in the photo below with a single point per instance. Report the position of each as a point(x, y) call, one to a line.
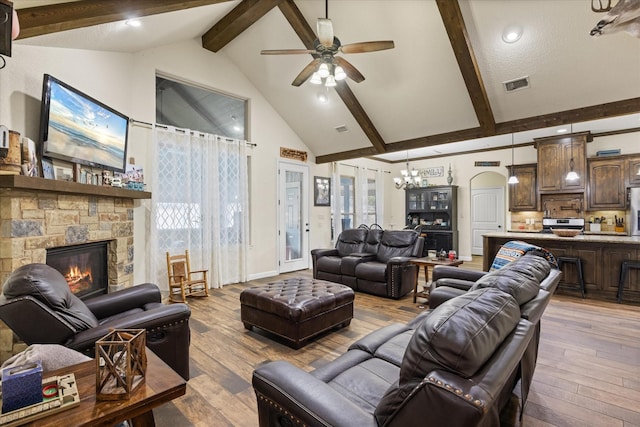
point(285, 51)
point(324, 29)
point(306, 72)
point(363, 47)
point(351, 71)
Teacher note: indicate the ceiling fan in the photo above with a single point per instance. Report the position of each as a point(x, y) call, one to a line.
point(327, 68)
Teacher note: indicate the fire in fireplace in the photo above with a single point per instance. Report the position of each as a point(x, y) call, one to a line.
point(84, 267)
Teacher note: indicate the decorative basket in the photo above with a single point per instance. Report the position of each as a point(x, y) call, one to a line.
point(565, 233)
point(121, 363)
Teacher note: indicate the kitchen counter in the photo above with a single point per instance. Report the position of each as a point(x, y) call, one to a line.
point(587, 237)
point(601, 255)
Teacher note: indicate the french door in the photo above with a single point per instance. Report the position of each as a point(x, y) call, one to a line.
point(293, 216)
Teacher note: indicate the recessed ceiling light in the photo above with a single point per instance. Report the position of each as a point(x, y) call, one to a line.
point(563, 130)
point(512, 34)
point(133, 22)
point(323, 98)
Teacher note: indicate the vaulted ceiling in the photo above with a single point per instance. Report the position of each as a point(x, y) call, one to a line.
point(439, 91)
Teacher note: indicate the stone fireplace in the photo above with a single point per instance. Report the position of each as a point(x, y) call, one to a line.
point(37, 214)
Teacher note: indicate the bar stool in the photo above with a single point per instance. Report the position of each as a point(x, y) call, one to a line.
point(578, 263)
point(626, 265)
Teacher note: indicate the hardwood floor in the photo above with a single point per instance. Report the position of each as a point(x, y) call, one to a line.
point(588, 370)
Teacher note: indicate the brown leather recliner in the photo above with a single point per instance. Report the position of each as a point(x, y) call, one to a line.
point(38, 306)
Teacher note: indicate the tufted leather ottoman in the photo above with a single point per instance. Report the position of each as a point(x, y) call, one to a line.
point(297, 309)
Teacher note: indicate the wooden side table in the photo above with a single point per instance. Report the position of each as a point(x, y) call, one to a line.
point(429, 262)
point(162, 384)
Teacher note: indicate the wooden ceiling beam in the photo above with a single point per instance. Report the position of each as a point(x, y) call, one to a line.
point(235, 22)
point(39, 20)
point(461, 44)
point(306, 34)
point(595, 112)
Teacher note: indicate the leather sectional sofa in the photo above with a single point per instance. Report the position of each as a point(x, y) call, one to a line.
point(371, 260)
point(457, 364)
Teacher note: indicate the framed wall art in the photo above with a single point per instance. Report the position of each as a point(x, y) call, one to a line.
point(321, 191)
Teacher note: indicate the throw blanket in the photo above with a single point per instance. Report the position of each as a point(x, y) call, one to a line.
point(516, 248)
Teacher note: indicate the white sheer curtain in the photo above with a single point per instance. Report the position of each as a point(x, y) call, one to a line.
point(200, 203)
point(336, 201)
point(362, 196)
point(380, 197)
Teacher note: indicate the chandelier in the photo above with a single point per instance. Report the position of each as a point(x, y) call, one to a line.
point(409, 178)
point(328, 74)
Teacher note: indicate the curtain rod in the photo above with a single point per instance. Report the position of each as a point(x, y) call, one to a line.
point(369, 169)
point(139, 122)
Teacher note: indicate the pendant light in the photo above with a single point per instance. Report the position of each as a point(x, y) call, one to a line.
point(572, 175)
point(513, 179)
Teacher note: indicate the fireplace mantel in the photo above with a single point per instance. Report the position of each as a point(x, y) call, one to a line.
point(27, 183)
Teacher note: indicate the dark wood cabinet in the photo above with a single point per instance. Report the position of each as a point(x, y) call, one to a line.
point(554, 157)
point(607, 188)
point(433, 211)
point(523, 196)
point(633, 168)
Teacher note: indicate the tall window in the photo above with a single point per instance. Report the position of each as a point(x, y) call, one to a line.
point(201, 162)
point(347, 195)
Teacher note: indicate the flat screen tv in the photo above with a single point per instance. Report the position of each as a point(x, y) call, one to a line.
point(79, 129)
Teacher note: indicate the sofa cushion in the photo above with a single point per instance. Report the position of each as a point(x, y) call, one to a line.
point(458, 336)
point(520, 278)
point(351, 241)
point(49, 286)
point(372, 271)
point(396, 243)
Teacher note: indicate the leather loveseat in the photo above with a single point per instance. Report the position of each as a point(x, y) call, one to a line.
point(38, 306)
point(371, 260)
point(457, 365)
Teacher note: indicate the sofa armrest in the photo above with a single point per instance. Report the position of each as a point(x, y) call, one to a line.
point(107, 305)
point(463, 285)
point(401, 276)
point(318, 253)
point(151, 319)
point(288, 395)
point(446, 271)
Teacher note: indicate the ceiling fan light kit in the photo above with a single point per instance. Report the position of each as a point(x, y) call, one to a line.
point(328, 68)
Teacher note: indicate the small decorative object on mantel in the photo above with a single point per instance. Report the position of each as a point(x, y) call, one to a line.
point(121, 363)
point(290, 153)
point(449, 177)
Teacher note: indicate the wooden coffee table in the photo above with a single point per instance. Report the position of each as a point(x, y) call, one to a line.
point(429, 262)
point(162, 384)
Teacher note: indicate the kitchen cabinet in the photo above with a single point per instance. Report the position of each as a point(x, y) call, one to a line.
point(554, 156)
point(633, 167)
point(607, 189)
point(523, 196)
point(434, 211)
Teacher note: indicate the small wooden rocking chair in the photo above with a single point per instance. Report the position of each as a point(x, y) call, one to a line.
point(183, 282)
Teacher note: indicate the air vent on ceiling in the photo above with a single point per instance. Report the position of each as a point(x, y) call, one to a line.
point(341, 128)
point(517, 84)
